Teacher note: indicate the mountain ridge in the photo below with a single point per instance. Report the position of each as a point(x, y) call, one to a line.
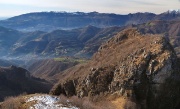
point(46, 21)
point(16, 80)
point(81, 42)
point(126, 68)
point(49, 21)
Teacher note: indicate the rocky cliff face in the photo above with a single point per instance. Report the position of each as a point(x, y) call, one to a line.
point(130, 64)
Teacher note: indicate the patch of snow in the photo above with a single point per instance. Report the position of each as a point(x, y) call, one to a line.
point(174, 11)
point(47, 102)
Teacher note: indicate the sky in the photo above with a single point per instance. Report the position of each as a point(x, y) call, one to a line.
point(9, 8)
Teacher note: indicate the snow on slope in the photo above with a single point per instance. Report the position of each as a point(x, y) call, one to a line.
point(47, 102)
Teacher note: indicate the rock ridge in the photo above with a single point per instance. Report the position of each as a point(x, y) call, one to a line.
point(130, 64)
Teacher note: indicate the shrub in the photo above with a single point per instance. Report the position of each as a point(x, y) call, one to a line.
point(130, 105)
point(13, 102)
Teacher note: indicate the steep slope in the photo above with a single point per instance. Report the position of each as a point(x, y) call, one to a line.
point(48, 21)
point(16, 80)
point(87, 33)
point(47, 68)
point(28, 36)
point(130, 65)
point(57, 42)
point(92, 45)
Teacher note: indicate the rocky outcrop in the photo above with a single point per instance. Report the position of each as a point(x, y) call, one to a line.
point(130, 64)
point(170, 30)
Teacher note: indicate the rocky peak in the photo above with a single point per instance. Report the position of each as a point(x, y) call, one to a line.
point(173, 11)
point(130, 64)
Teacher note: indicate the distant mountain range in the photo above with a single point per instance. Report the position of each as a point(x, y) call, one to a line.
point(82, 42)
point(48, 21)
point(76, 42)
point(86, 31)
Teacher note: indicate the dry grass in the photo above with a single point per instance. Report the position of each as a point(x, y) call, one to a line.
point(17, 102)
point(124, 103)
point(130, 105)
point(86, 103)
point(82, 103)
point(119, 103)
point(120, 51)
point(13, 102)
point(114, 52)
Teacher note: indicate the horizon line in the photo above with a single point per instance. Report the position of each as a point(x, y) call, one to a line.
point(5, 17)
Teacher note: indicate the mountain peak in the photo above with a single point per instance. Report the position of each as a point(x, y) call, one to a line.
point(172, 11)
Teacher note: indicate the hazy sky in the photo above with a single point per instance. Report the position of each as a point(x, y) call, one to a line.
point(16, 7)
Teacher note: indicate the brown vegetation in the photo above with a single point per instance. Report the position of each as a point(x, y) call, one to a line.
point(19, 102)
point(87, 103)
point(13, 102)
point(169, 29)
point(48, 68)
point(130, 64)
